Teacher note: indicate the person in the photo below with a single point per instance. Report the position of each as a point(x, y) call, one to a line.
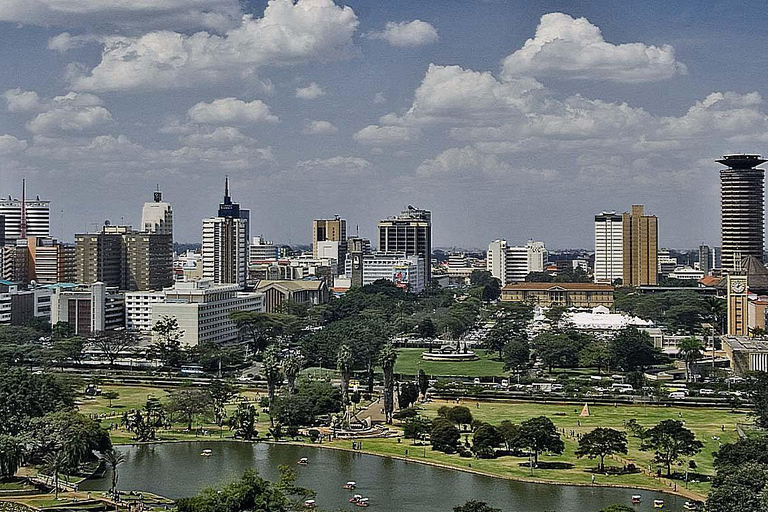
point(593, 479)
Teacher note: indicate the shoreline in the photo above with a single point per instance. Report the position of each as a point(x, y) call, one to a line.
point(684, 493)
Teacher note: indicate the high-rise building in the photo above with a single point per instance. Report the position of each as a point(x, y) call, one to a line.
point(409, 233)
point(88, 308)
point(511, 264)
point(324, 233)
point(225, 244)
point(640, 247)
point(741, 208)
point(609, 248)
point(157, 216)
point(261, 250)
point(705, 259)
point(37, 216)
point(126, 259)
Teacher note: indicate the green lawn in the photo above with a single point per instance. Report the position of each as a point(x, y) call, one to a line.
point(409, 362)
point(705, 423)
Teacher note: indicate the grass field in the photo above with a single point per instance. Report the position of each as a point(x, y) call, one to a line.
point(705, 423)
point(409, 362)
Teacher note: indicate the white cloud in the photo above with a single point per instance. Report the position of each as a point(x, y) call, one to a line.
point(10, 144)
point(231, 111)
point(379, 98)
point(130, 15)
point(567, 47)
point(18, 100)
point(375, 135)
point(407, 33)
point(338, 166)
point(461, 160)
point(289, 33)
point(722, 114)
point(320, 128)
point(310, 92)
point(65, 41)
point(221, 136)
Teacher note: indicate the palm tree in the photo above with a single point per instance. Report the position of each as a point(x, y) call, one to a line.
point(717, 310)
point(690, 350)
point(113, 458)
point(55, 461)
point(387, 360)
point(271, 363)
point(291, 367)
point(344, 363)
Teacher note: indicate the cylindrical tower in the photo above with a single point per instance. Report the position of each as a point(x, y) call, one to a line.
point(741, 208)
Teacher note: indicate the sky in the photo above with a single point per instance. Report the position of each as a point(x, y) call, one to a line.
point(507, 119)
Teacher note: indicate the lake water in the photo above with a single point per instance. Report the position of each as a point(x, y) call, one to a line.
point(177, 469)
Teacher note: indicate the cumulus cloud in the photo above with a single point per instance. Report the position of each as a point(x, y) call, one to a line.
point(568, 47)
point(320, 128)
point(72, 112)
point(10, 144)
point(338, 166)
point(375, 135)
point(407, 33)
point(65, 41)
point(220, 136)
point(19, 100)
point(231, 111)
point(287, 34)
point(310, 92)
point(133, 15)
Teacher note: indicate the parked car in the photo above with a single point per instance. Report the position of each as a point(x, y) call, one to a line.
point(706, 392)
point(677, 395)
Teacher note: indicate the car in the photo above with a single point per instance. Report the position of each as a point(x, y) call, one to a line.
point(677, 395)
point(245, 378)
point(504, 383)
point(706, 392)
point(476, 381)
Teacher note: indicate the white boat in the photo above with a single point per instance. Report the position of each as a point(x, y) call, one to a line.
point(349, 485)
point(310, 504)
point(658, 503)
point(636, 498)
point(362, 502)
point(355, 498)
point(303, 461)
point(207, 453)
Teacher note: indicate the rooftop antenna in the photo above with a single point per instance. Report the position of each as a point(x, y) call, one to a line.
point(23, 208)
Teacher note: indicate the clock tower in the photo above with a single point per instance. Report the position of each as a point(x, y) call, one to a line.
point(737, 305)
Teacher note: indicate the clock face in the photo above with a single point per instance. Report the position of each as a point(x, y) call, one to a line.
point(737, 286)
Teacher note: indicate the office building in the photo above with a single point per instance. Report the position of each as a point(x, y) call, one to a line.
point(157, 216)
point(409, 233)
point(666, 263)
point(37, 215)
point(138, 309)
point(511, 264)
point(705, 259)
point(742, 209)
point(202, 310)
point(261, 250)
point(407, 272)
point(18, 305)
point(149, 260)
point(577, 295)
point(609, 248)
point(640, 247)
point(225, 244)
point(88, 308)
point(329, 240)
point(275, 293)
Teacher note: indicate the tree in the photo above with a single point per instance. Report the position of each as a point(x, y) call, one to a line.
point(293, 410)
point(25, 395)
point(243, 421)
point(670, 441)
point(260, 329)
point(55, 462)
point(69, 349)
point(689, 349)
point(632, 349)
point(742, 489)
point(510, 432)
point(716, 311)
point(459, 415)
point(11, 455)
point(271, 366)
point(344, 363)
point(409, 393)
point(481, 278)
point(516, 354)
point(416, 428)
point(538, 435)
point(221, 393)
point(292, 365)
point(558, 349)
point(113, 343)
point(387, 360)
point(110, 395)
point(601, 442)
point(444, 436)
point(188, 402)
point(485, 441)
point(427, 329)
point(475, 506)
point(423, 383)
point(758, 385)
point(113, 458)
point(167, 344)
point(595, 355)
point(250, 493)
point(491, 291)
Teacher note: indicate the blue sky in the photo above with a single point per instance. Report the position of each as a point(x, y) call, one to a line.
point(507, 119)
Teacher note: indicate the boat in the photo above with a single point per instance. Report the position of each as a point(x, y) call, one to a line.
point(636, 498)
point(310, 504)
point(207, 453)
point(362, 502)
point(349, 485)
point(658, 503)
point(303, 461)
point(692, 505)
point(355, 498)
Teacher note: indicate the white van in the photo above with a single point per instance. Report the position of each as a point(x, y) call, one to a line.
point(622, 388)
point(677, 395)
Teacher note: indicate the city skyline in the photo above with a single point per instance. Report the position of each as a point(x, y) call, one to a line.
point(558, 112)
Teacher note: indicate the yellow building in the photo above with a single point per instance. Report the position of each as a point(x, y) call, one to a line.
point(641, 247)
point(579, 295)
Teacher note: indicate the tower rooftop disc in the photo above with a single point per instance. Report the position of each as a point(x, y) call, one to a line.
point(742, 161)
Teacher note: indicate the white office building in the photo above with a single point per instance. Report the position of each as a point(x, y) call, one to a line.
point(512, 264)
point(138, 309)
point(87, 308)
point(225, 250)
point(157, 216)
point(407, 272)
point(609, 247)
point(261, 250)
point(202, 310)
point(37, 213)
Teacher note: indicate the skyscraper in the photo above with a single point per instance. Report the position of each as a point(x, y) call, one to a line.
point(37, 215)
point(511, 264)
point(640, 247)
point(157, 216)
point(225, 243)
point(741, 208)
point(333, 231)
point(705, 259)
point(409, 233)
point(609, 248)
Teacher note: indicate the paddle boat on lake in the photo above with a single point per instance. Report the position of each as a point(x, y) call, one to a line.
point(349, 485)
point(302, 461)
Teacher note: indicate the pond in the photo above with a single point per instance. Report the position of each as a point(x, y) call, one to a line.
point(177, 469)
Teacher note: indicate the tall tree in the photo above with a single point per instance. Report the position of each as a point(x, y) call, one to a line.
point(221, 392)
point(113, 343)
point(271, 364)
point(475, 506)
point(670, 440)
point(11, 455)
point(601, 442)
point(387, 360)
point(260, 329)
point(632, 349)
point(243, 421)
point(423, 383)
point(690, 350)
point(345, 365)
point(540, 434)
point(167, 344)
point(485, 441)
point(758, 386)
point(188, 402)
point(292, 364)
point(113, 459)
point(516, 354)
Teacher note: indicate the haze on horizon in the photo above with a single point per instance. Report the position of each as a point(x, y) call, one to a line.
point(507, 120)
